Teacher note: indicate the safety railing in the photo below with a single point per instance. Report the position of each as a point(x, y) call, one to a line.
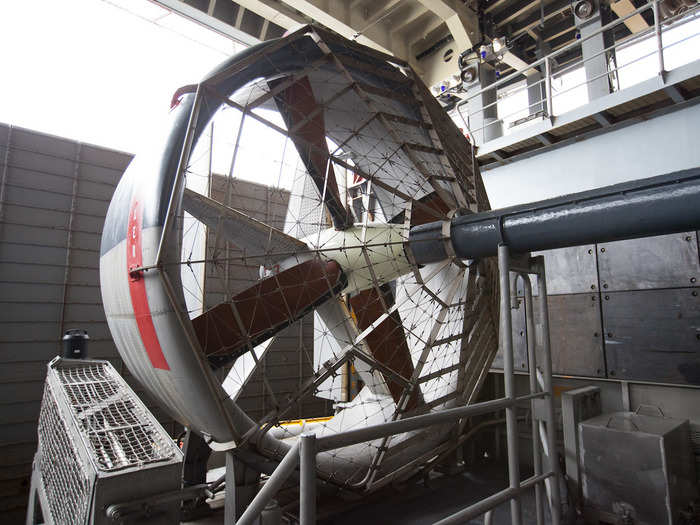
point(548, 70)
point(303, 453)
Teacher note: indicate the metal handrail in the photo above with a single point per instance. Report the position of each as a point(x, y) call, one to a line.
point(306, 448)
point(353, 437)
point(546, 100)
point(361, 435)
point(558, 52)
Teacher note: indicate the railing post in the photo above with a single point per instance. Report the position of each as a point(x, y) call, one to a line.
point(548, 87)
point(506, 331)
point(555, 502)
point(532, 366)
point(307, 479)
point(230, 496)
point(659, 42)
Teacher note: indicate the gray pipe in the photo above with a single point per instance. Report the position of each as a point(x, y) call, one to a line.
point(654, 206)
point(506, 336)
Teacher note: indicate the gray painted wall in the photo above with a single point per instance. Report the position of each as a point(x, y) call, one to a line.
point(54, 194)
point(626, 310)
point(660, 145)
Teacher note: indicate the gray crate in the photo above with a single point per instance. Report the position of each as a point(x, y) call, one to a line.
point(98, 445)
point(638, 464)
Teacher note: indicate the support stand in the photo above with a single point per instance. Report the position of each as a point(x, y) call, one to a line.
point(242, 484)
point(542, 409)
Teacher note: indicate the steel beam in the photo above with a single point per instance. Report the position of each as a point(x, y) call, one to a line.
point(207, 20)
point(462, 22)
point(335, 15)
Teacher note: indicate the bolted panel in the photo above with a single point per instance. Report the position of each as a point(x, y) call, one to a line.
point(665, 261)
point(569, 270)
point(519, 341)
point(653, 335)
point(576, 335)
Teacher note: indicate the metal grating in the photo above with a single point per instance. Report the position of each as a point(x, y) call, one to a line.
point(117, 429)
point(66, 483)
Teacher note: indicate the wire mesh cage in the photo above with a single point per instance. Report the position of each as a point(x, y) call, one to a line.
point(305, 295)
point(98, 445)
point(360, 154)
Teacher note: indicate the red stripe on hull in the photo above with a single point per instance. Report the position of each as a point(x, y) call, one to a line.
point(137, 289)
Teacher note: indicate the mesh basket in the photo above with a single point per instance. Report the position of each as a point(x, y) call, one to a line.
point(93, 431)
point(119, 431)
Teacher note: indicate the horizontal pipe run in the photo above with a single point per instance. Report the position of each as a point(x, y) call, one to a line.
point(491, 502)
point(120, 511)
point(353, 437)
point(654, 206)
point(271, 487)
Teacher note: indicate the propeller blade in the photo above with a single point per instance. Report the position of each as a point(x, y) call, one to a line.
point(257, 313)
point(387, 341)
point(298, 107)
point(245, 232)
point(420, 215)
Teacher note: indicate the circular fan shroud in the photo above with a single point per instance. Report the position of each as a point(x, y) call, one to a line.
point(412, 153)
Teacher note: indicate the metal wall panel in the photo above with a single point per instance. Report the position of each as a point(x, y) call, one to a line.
point(579, 278)
point(653, 335)
point(569, 270)
point(575, 334)
point(666, 261)
point(519, 342)
point(53, 196)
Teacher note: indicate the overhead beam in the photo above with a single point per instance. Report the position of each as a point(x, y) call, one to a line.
point(534, 19)
point(382, 11)
point(335, 15)
point(461, 21)
point(408, 17)
point(494, 5)
point(516, 62)
point(202, 18)
point(275, 12)
point(635, 23)
point(239, 16)
point(513, 11)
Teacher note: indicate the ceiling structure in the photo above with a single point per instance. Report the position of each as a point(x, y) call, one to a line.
point(428, 34)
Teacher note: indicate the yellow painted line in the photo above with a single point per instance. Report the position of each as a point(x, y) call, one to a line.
point(302, 421)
